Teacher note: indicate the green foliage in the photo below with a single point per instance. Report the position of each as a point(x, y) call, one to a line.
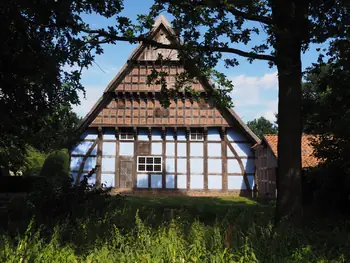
point(262, 126)
point(56, 164)
point(42, 40)
point(33, 162)
point(122, 232)
point(326, 113)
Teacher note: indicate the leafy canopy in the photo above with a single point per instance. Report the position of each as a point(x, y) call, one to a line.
point(262, 126)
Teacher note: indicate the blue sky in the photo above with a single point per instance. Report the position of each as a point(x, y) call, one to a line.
point(255, 85)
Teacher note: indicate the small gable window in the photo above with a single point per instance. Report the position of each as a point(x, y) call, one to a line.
point(196, 134)
point(126, 134)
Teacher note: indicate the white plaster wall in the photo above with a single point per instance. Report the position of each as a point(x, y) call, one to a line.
point(181, 182)
point(170, 181)
point(126, 148)
point(156, 134)
point(181, 149)
point(143, 135)
point(214, 149)
point(248, 165)
point(142, 180)
point(170, 149)
point(233, 166)
point(237, 182)
point(181, 135)
point(109, 134)
point(243, 149)
point(107, 180)
point(215, 166)
point(170, 165)
point(170, 134)
point(89, 134)
point(108, 164)
point(229, 152)
point(75, 163)
point(83, 147)
point(214, 134)
point(156, 180)
point(156, 148)
point(196, 165)
point(197, 182)
point(181, 165)
point(109, 148)
point(214, 182)
point(196, 149)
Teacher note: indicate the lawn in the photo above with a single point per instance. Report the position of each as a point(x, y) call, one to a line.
point(174, 229)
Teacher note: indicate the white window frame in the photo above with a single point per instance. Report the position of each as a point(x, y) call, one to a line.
point(153, 164)
point(126, 132)
point(196, 132)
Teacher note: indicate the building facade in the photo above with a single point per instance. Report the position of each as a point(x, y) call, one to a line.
point(130, 142)
point(266, 162)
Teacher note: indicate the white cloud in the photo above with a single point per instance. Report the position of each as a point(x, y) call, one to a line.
point(93, 93)
point(255, 96)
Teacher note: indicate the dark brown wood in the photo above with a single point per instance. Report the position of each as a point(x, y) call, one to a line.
point(224, 160)
point(117, 162)
point(134, 169)
point(205, 156)
point(188, 160)
point(291, 23)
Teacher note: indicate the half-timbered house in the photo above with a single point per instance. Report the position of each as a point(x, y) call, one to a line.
point(136, 145)
point(266, 162)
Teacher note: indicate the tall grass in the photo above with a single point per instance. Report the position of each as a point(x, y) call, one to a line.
point(62, 223)
point(236, 237)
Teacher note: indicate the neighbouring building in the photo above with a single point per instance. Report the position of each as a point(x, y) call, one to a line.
point(133, 144)
point(266, 162)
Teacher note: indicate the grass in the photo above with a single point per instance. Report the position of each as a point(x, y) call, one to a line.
point(176, 229)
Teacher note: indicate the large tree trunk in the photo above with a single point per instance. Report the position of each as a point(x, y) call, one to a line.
point(290, 24)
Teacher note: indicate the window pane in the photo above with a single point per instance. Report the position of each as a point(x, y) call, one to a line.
point(157, 168)
point(142, 159)
point(157, 160)
point(149, 160)
point(142, 167)
point(149, 168)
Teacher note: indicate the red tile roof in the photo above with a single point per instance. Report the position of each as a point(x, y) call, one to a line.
point(308, 158)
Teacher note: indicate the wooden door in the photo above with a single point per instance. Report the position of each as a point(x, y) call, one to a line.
point(126, 178)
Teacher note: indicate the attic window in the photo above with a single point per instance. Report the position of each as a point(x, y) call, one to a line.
point(126, 134)
point(196, 134)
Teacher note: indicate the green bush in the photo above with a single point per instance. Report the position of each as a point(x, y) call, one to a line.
point(34, 161)
point(56, 164)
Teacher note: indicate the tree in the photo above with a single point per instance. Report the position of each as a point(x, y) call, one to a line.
point(209, 28)
point(326, 113)
point(262, 126)
point(40, 39)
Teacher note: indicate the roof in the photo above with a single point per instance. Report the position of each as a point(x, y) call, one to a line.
point(307, 150)
point(160, 24)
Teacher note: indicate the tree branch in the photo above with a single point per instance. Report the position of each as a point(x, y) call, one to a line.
point(154, 43)
point(257, 18)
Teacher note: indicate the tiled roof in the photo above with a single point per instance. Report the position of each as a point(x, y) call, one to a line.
point(307, 156)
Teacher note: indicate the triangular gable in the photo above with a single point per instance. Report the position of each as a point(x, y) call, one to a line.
point(164, 33)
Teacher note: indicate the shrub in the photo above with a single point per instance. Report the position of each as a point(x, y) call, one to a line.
point(56, 164)
point(34, 161)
